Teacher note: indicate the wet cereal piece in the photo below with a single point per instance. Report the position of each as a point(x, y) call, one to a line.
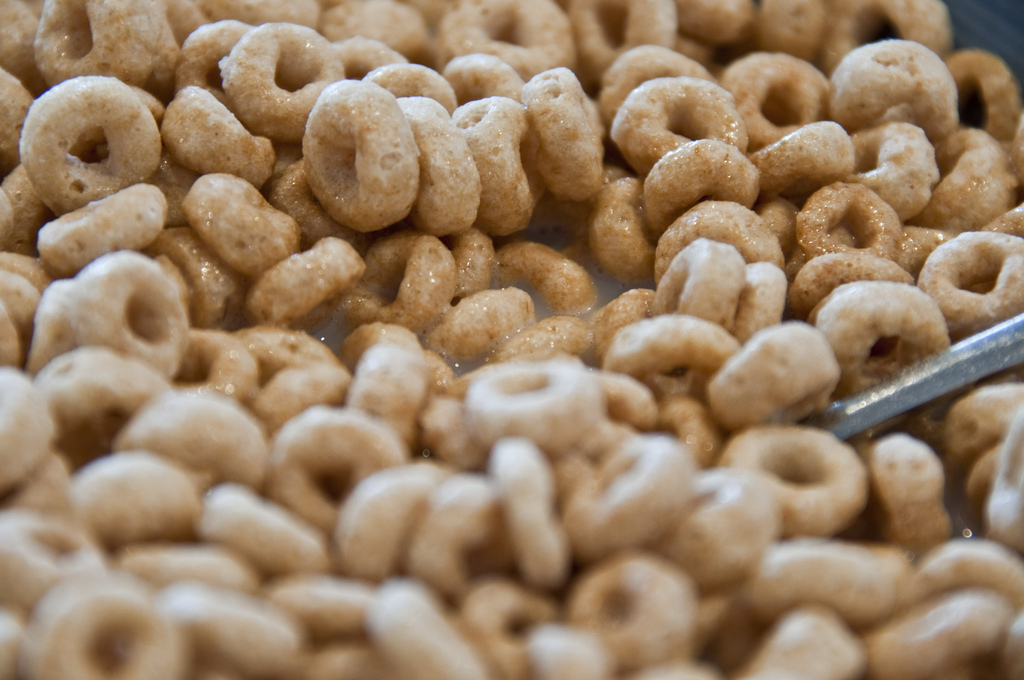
point(215, 362)
point(898, 162)
point(984, 80)
point(201, 53)
point(704, 280)
point(810, 157)
point(824, 273)
point(845, 218)
point(561, 283)
point(478, 76)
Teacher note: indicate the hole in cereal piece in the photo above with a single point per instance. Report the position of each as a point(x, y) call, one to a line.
point(144, 320)
point(292, 77)
point(112, 649)
point(527, 383)
point(982, 281)
point(880, 29)
point(195, 368)
point(884, 346)
point(78, 186)
point(334, 487)
point(505, 29)
point(778, 109)
point(617, 608)
point(612, 16)
point(795, 467)
point(681, 123)
point(77, 41)
point(972, 108)
point(90, 147)
point(214, 79)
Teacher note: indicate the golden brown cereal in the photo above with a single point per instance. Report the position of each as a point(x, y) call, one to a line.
point(633, 305)
point(20, 300)
point(444, 433)
point(805, 160)
point(479, 321)
point(792, 26)
point(361, 155)
point(555, 336)
point(894, 80)
point(617, 233)
point(19, 22)
point(985, 80)
point(135, 496)
point(473, 251)
point(215, 362)
point(162, 565)
point(199, 64)
point(898, 162)
point(222, 209)
point(82, 625)
point(25, 424)
point(368, 335)
point(703, 280)
point(51, 333)
point(824, 273)
point(691, 422)
point(657, 605)
point(414, 80)
point(362, 55)
point(478, 76)
point(129, 219)
point(707, 169)
point(663, 114)
point(561, 283)
point(843, 218)
point(328, 607)
point(87, 138)
point(26, 267)
point(812, 641)
point(979, 421)
point(278, 348)
point(293, 389)
point(15, 101)
point(877, 327)
point(961, 564)
point(392, 384)
point(28, 212)
point(302, 12)
point(819, 481)
point(568, 653)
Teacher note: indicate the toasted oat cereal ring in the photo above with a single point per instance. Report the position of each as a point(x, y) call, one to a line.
point(978, 183)
point(28, 212)
point(633, 305)
point(51, 325)
point(504, 148)
point(636, 66)
point(775, 94)
point(792, 26)
point(819, 481)
point(391, 383)
point(223, 210)
point(810, 157)
point(707, 169)
point(199, 63)
point(555, 336)
point(918, 243)
point(444, 433)
point(129, 219)
point(979, 421)
point(808, 640)
point(960, 564)
point(629, 400)
point(277, 348)
point(346, 660)
point(651, 595)
point(17, 55)
point(15, 101)
point(87, 138)
point(570, 152)
point(329, 608)
point(174, 180)
point(473, 251)
point(449, 183)
point(366, 336)
point(691, 421)
point(711, 22)
point(988, 93)
point(762, 301)
point(975, 278)
point(478, 76)
point(667, 343)
point(215, 362)
point(824, 273)
point(399, 25)
point(20, 300)
point(361, 56)
point(748, 389)
point(293, 389)
point(273, 76)
point(898, 162)
point(361, 156)
point(530, 36)
point(415, 80)
point(894, 80)
point(83, 626)
point(1010, 222)
point(553, 403)
point(29, 268)
point(561, 283)
point(302, 12)
point(25, 423)
point(704, 280)
point(662, 114)
point(479, 321)
point(844, 218)
point(616, 231)
point(162, 565)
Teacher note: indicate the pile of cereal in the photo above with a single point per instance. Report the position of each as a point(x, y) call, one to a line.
point(468, 339)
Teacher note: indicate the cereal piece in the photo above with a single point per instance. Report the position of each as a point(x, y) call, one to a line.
point(897, 161)
point(820, 482)
point(17, 56)
point(843, 218)
point(962, 565)
point(712, 22)
point(707, 169)
point(293, 389)
point(368, 335)
point(762, 301)
point(978, 183)
point(26, 267)
point(691, 422)
point(28, 212)
point(617, 231)
point(199, 64)
point(302, 12)
point(346, 660)
point(473, 251)
point(656, 604)
point(44, 489)
point(918, 243)
point(568, 653)
point(878, 327)
point(479, 321)
point(361, 155)
point(504, 149)
point(399, 25)
point(894, 80)
point(135, 496)
point(6, 217)
point(162, 565)
point(979, 421)
point(604, 32)
point(1010, 222)
point(810, 157)
point(663, 114)
point(415, 80)
point(734, 519)
point(216, 363)
point(391, 383)
point(25, 424)
point(561, 283)
point(87, 138)
point(1003, 506)
point(554, 337)
point(792, 26)
point(114, 618)
point(703, 280)
point(223, 210)
point(129, 219)
point(478, 76)
point(328, 607)
point(15, 101)
point(638, 65)
point(362, 55)
point(824, 273)
point(278, 348)
point(780, 375)
point(633, 305)
point(20, 300)
point(51, 333)
point(810, 641)
point(174, 181)
point(11, 633)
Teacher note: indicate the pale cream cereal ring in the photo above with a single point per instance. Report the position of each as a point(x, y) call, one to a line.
point(878, 327)
point(762, 301)
point(129, 219)
point(87, 138)
point(222, 209)
point(478, 76)
point(824, 273)
point(707, 169)
point(444, 433)
point(632, 499)
point(473, 251)
point(83, 626)
point(17, 56)
point(553, 403)
point(975, 278)
point(293, 389)
point(278, 348)
point(633, 305)
point(560, 652)
point(28, 212)
point(391, 383)
point(820, 482)
point(203, 135)
point(302, 12)
point(51, 326)
point(749, 388)
point(526, 493)
point(690, 420)
point(555, 336)
point(479, 321)
point(844, 218)
point(215, 362)
point(636, 66)
point(792, 26)
point(894, 80)
point(563, 285)
point(25, 422)
point(657, 604)
point(361, 56)
point(979, 421)
point(978, 183)
point(805, 160)
point(962, 564)
point(570, 152)
point(616, 231)
point(366, 336)
point(1010, 222)
point(703, 280)
point(449, 186)
point(361, 155)
point(898, 162)
point(662, 114)
point(504, 148)
point(415, 80)
point(376, 520)
point(775, 94)
point(328, 607)
point(399, 25)
point(15, 101)
point(201, 52)
point(135, 496)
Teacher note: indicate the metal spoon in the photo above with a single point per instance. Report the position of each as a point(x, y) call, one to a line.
point(976, 357)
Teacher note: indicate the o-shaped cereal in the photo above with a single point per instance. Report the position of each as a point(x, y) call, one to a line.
point(330, 608)
point(984, 81)
point(563, 285)
point(878, 327)
point(557, 651)
point(820, 482)
point(616, 231)
point(391, 383)
point(273, 76)
point(979, 421)
point(215, 362)
point(199, 62)
point(362, 55)
point(361, 155)
point(715, 22)
point(810, 157)
point(17, 101)
point(555, 336)
point(762, 300)
point(478, 76)
point(843, 218)
point(479, 321)
point(415, 80)
point(898, 162)
point(293, 389)
point(704, 280)
point(662, 114)
point(962, 564)
point(824, 273)
point(85, 139)
point(530, 36)
point(792, 26)
point(894, 80)
point(775, 94)
point(399, 25)
point(975, 278)
point(808, 640)
point(26, 423)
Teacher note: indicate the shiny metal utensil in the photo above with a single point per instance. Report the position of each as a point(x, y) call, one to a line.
point(976, 357)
